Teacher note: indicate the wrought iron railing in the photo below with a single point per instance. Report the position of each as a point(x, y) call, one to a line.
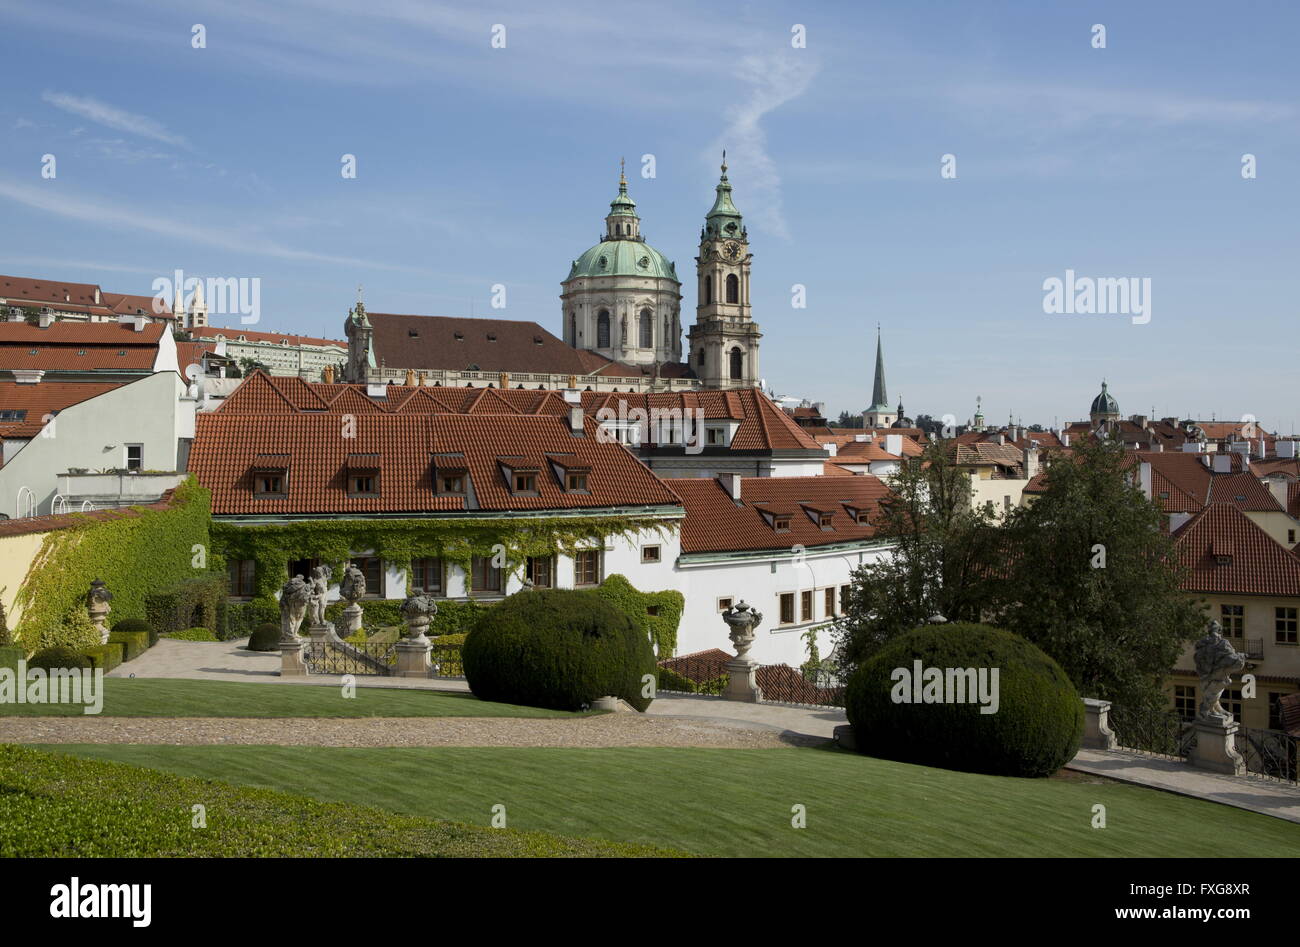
point(1271, 753)
point(692, 675)
point(782, 684)
point(1254, 648)
point(1153, 732)
point(445, 659)
point(344, 657)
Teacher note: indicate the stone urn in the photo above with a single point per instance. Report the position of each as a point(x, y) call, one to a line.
point(97, 606)
point(418, 610)
point(352, 588)
point(741, 621)
point(413, 650)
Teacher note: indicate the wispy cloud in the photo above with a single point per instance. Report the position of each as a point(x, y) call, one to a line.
point(773, 80)
point(115, 118)
point(53, 201)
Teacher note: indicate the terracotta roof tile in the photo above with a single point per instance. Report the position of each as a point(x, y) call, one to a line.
point(44, 398)
point(1255, 563)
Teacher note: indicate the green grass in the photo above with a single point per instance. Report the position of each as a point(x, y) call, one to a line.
point(125, 697)
point(738, 802)
point(59, 806)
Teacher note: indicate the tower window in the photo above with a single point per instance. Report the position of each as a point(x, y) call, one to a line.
point(737, 364)
point(733, 288)
point(708, 290)
point(602, 329)
point(647, 330)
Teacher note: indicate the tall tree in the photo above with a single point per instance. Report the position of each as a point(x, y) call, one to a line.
point(944, 556)
point(1092, 578)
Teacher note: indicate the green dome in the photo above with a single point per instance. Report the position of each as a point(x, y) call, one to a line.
point(1105, 402)
point(623, 258)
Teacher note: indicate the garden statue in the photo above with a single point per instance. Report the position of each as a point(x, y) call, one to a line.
point(294, 596)
point(352, 588)
point(317, 595)
point(418, 610)
point(97, 600)
point(1216, 660)
point(742, 619)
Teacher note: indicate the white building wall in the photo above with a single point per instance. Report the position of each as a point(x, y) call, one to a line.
point(153, 412)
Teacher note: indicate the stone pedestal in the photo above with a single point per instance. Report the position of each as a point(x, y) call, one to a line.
point(413, 657)
point(320, 633)
point(293, 661)
point(1097, 734)
point(611, 703)
point(351, 619)
point(1215, 747)
point(741, 684)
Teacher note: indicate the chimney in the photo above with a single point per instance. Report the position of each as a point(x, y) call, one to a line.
point(47, 317)
point(1002, 440)
point(832, 448)
point(1278, 487)
point(1065, 439)
point(28, 376)
point(1144, 476)
point(16, 315)
point(894, 444)
point(1285, 449)
point(138, 323)
point(1029, 457)
point(731, 483)
point(575, 420)
point(1223, 463)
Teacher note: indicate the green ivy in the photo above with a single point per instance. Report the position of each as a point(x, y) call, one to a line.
point(660, 612)
point(397, 542)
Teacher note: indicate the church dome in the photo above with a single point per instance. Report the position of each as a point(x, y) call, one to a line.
point(623, 258)
point(1104, 403)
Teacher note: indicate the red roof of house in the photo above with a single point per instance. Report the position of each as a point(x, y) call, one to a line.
point(716, 523)
point(409, 448)
point(1227, 553)
point(233, 333)
point(133, 305)
point(79, 346)
point(1245, 491)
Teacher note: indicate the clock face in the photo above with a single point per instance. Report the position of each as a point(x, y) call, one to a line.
point(732, 250)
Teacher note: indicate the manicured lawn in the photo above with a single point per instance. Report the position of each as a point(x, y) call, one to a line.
point(55, 805)
point(124, 697)
point(738, 802)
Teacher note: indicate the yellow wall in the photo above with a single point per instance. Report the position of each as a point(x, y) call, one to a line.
point(16, 555)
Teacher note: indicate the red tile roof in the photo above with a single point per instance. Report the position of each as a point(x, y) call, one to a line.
point(1244, 491)
point(1253, 563)
point(715, 523)
point(128, 304)
point(226, 445)
point(79, 346)
point(232, 334)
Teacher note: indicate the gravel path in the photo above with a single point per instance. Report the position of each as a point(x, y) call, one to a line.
point(618, 729)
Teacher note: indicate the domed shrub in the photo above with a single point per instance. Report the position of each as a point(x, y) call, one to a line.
point(58, 657)
point(1035, 730)
point(265, 637)
point(557, 648)
point(138, 624)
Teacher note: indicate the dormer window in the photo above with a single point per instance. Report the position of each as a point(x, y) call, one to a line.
point(491, 336)
point(270, 476)
point(452, 484)
point(363, 475)
point(781, 523)
point(524, 482)
point(459, 336)
point(824, 521)
point(575, 482)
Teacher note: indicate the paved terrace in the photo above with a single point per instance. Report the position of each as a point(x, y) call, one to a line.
point(228, 661)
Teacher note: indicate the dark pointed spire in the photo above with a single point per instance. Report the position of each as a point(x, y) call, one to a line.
point(879, 395)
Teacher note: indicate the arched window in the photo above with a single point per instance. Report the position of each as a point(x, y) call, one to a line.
point(708, 290)
point(602, 329)
point(733, 288)
point(647, 330)
point(573, 329)
point(700, 359)
point(737, 364)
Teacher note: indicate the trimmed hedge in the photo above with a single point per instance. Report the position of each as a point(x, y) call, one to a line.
point(453, 617)
point(193, 634)
point(134, 643)
point(51, 658)
point(193, 603)
point(1037, 727)
point(659, 612)
point(106, 656)
point(137, 625)
point(557, 648)
point(240, 619)
point(10, 655)
point(265, 638)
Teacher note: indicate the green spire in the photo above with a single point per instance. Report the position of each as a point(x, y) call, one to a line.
point(723, 217)
point(622, 206)
point(879, 398)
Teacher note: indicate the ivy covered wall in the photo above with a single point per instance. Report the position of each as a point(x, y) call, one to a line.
point(145, 551)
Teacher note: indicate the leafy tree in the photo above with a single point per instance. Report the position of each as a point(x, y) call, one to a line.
point(929, 425)
point(944, 562)
point(848, 420)
point(1093, 579)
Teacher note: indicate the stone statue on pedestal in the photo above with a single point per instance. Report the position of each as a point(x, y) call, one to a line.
point(97, 600)
point(294, 596)
point(318, 592)
point(352, 588)
point(418, 610)
point(1216, 660)
point(742, 684)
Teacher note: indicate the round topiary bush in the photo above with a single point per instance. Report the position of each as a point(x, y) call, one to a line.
point(58, 657)
point(557, 648)
point(265, 637)
point(1035, 730)
point(138, 624)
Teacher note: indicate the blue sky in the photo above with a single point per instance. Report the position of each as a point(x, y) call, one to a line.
point(478, 166)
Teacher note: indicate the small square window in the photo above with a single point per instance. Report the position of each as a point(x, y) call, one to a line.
point(525, 483)
point(575, 482)
point(649, 553)
point(781, 524)
point(270, 485)
point(363, 485)
point(724, 604)
point(787, 608)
